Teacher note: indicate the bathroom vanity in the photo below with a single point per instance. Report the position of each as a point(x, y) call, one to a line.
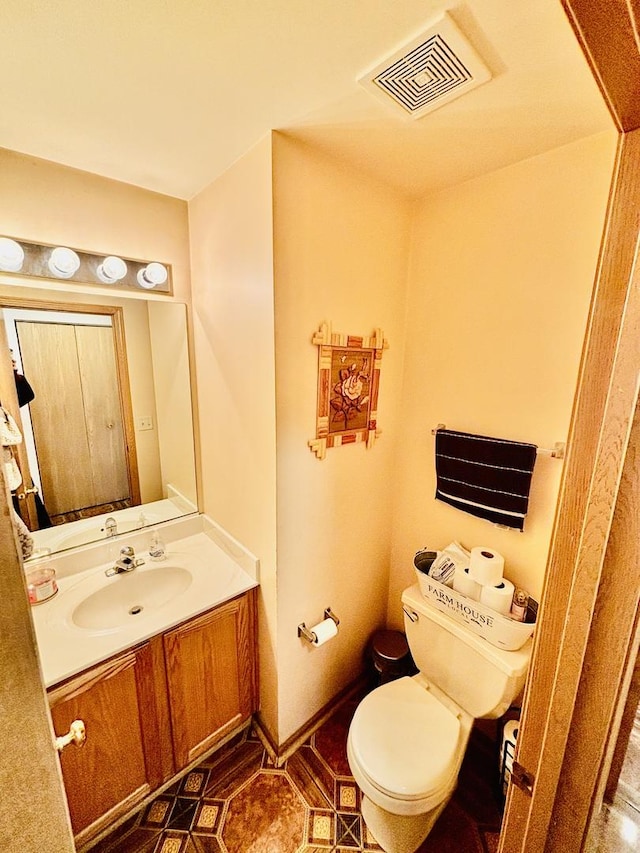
point(156, 689)
point(150, 711)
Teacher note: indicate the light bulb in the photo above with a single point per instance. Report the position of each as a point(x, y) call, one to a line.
point(112, 269)
point(11, 255)
point(152, 275)
point(63, 262)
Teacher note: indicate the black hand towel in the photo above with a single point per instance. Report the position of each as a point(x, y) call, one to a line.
point(486, 477)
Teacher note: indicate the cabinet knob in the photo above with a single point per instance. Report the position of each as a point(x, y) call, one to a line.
point(77, 734)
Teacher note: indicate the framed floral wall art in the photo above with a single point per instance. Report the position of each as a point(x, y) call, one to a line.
point(348, 383)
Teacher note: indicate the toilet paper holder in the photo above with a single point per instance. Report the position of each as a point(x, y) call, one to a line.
point(308, 635)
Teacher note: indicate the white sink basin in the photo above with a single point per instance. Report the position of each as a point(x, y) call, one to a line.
point(130, 596)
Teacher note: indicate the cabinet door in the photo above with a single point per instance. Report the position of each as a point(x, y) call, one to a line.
point(119, 763)
point(211, 676)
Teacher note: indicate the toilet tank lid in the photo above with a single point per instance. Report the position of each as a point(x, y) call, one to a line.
point(512, 663)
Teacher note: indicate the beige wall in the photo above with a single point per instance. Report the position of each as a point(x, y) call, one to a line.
point(512, 254)
point(232, 269)
point(47, 203)
point(143, 400)
point(341, 247)
point(174, 421)
point(499, 288)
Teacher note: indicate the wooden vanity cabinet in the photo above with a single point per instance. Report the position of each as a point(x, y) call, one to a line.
point(119, 763)
point(211, 677)
point(151, 711)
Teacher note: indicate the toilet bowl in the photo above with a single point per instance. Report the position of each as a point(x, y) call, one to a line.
point(405, 747)
point(408, 737)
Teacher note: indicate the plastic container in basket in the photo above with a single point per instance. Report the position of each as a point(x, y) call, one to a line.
point(497, 629)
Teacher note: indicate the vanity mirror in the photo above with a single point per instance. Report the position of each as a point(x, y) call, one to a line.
point(108, 437)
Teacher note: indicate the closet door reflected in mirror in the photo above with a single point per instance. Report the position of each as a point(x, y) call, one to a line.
point(77, 416)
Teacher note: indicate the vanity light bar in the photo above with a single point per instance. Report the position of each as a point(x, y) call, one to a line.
point(35, 260)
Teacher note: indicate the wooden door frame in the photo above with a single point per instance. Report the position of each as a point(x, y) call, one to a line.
point(122, 371)
point(41, 821)
point(591, 585)
point(609, 656)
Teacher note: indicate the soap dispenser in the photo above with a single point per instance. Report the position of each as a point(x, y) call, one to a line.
point(157, 547)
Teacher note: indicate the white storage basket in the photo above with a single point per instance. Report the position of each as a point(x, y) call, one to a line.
point(499, 630)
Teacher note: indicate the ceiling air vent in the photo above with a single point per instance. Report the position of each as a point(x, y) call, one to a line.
point(433, 69)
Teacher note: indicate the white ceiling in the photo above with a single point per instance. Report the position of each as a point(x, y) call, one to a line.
point(166, 94)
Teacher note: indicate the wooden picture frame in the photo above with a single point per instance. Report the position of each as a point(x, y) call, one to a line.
point(348, 385)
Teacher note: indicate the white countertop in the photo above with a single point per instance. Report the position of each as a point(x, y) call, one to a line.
point(66, 649)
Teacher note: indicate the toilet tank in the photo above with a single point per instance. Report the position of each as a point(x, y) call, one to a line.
point(480, 678)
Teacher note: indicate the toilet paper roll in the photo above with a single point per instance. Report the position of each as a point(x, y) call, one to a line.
point(498, 597)
point(486, 566)
point(465, 584)
point(324, 631)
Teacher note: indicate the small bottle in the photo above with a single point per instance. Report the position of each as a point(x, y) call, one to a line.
point(157, 547)
point(519, 605)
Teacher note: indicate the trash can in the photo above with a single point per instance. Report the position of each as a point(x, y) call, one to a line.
point(389, 656)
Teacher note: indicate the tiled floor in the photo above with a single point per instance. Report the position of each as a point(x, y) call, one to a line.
point(238, 802)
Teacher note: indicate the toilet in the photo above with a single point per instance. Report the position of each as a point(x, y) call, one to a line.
point(408, 737)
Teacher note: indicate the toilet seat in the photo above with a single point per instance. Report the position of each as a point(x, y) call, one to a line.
point(406, 745)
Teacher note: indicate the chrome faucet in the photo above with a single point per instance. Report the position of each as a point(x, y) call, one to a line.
point(110, 527)
point(126, 562)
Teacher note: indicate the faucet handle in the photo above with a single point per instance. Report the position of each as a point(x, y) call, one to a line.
point(126, 551)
